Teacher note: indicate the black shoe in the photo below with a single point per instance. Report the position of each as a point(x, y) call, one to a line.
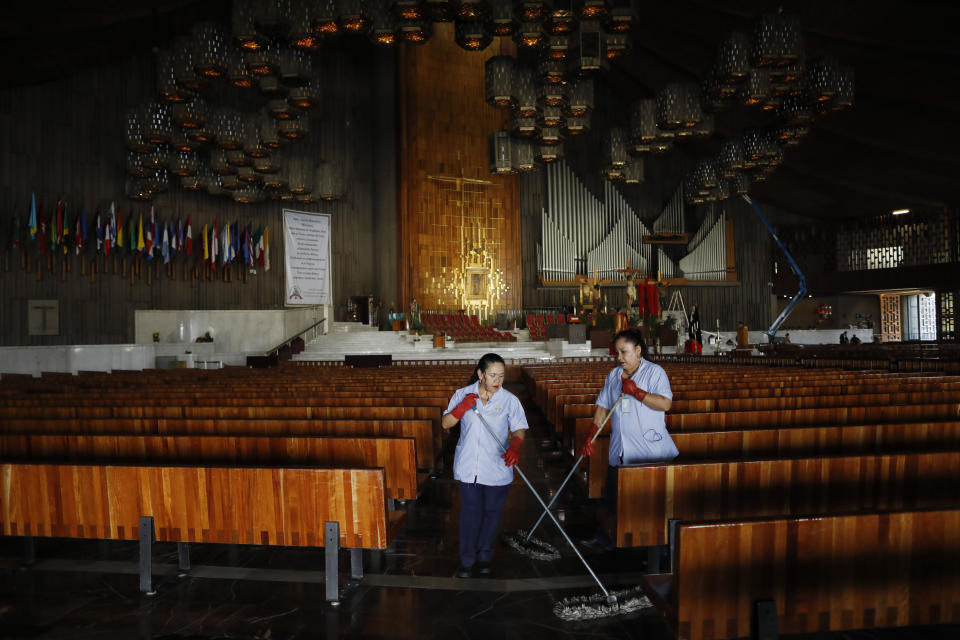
point(465, 572)
point(484, 569)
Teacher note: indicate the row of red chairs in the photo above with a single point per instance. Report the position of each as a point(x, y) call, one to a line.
point(463, 328)
point(537, 324)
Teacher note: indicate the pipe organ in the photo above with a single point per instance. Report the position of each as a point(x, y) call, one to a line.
point(706, 257)
point(581, 234)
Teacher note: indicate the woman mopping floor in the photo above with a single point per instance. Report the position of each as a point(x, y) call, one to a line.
point(482, 470)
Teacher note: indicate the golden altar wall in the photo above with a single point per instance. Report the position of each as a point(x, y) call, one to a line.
point(459, 227)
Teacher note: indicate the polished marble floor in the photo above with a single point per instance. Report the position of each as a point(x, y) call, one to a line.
point(89, 589)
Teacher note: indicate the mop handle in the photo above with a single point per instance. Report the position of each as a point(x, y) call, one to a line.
point(572, 469)
point(543, 504)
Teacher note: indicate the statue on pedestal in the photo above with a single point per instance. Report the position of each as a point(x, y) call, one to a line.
point(414, 319)
point(631, 293)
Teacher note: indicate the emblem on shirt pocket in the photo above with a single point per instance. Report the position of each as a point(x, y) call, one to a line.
point(498, 409)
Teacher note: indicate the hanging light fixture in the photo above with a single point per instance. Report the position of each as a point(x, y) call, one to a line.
point(530, 35)
point(325, 18)
point(248, 195)
point(704, 128)
point(167, 86)
point(294, 128)
point(760, 146)
point(214, 187)
point(184, 163)
point(823, 76)
point(622, 16)
point(551, 117)
point(272, 17)
point(643, 125)
point(500, 153)
point(523, 156)
point(210, 47)
point(576, 125)
point(440, 10)
point(238, 73)
point(301, 35)
point(777, 40)
point(535, 11)
point(678, 106)
point(561, 18)
point(179, 141)
point(732, 62)
point(244, 26)
point(246, 175)
point(757, 88)
point(581, 97)
point(202, 135)
point(137, 190)
point(157, 125)
point(846, 89)
point(472, 9)
point(551, 71)
point(301, 175)
point(189, 115)
point(526, 92)
point(408, 10)
point(252, 147)
point(196, 181)
point(522, 127)
point(296, 67)
point(589, 56)
point(275, 179)
point(158, 181)
point(352, 16)
point(549, 136)
point(613, 173)
point(183, 64)
point(238, 158)
point(306, 97)
point(134, 131)
point(615, 148)
point(329, 181)
point(470, 35)
point(267, 126)
point(415, 31)
point(498, 82)
point(552, 95)
point(730, 157)
point(271, 87)
point(265, 61)
point(383, 24)
point(633, 172)
point(267, 164)
point(228, 128)
point(594, 10)
point(135, 166)
point(713, 93)
point(556, 47)
point(229, 182)
point(549, 153)
point(615, 45)
point(794, 112)
point(502, 21)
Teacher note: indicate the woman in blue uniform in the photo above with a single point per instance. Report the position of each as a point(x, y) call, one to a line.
point(638, 432)
point(484, 473)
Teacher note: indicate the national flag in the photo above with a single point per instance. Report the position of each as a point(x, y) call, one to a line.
point(260, 246)
point(188, 236)
point(266, 249)
point(111, 230)
point(131, 234)
point(78, 232)
point(227, 243)
point(32, 222)
point(56, 226)
point(206, 247)
point(65, 234)
point(165, 246)
point(15, 232)
point(119, 228)
point(247, 251)
point(42, 233)
point(141, 245)
point(99, 232)
point(214, 239)
point(148, 246)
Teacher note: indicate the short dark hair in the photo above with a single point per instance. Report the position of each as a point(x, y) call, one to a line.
point(634, 337)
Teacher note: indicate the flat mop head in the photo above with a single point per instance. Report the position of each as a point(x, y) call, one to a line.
point(532, 548)
point(619, 602)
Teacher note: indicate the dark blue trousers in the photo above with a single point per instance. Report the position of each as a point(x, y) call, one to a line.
point(481, 506)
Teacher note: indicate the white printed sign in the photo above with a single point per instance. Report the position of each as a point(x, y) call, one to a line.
point(306, 257)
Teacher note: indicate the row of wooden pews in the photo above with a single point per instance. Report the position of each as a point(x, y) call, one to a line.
point(294, 456)
point(804, 500)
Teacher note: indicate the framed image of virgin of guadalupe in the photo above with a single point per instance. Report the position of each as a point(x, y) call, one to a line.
point(476, 284)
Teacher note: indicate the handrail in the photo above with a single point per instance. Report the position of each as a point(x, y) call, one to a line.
point(293, 337)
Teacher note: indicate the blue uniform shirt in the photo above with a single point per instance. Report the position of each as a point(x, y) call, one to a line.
point(477, 459)
point(637, 432)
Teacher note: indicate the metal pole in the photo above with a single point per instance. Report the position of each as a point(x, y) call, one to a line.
point(543, 504)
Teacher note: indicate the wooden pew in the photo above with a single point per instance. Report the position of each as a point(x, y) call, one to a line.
point(396, 456)
point(420, 430)
point(822, 573)
point(649, 496)
point(187, 504)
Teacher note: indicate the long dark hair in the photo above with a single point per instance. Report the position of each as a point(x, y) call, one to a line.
point(483, 363)
point(634, 337)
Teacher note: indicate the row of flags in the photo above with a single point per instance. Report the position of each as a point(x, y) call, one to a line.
point(144, 236)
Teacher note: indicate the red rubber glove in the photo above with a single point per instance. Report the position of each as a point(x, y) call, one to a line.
point(630, 388)
point(512, 455)
point(465, 405)
point(587, 450)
